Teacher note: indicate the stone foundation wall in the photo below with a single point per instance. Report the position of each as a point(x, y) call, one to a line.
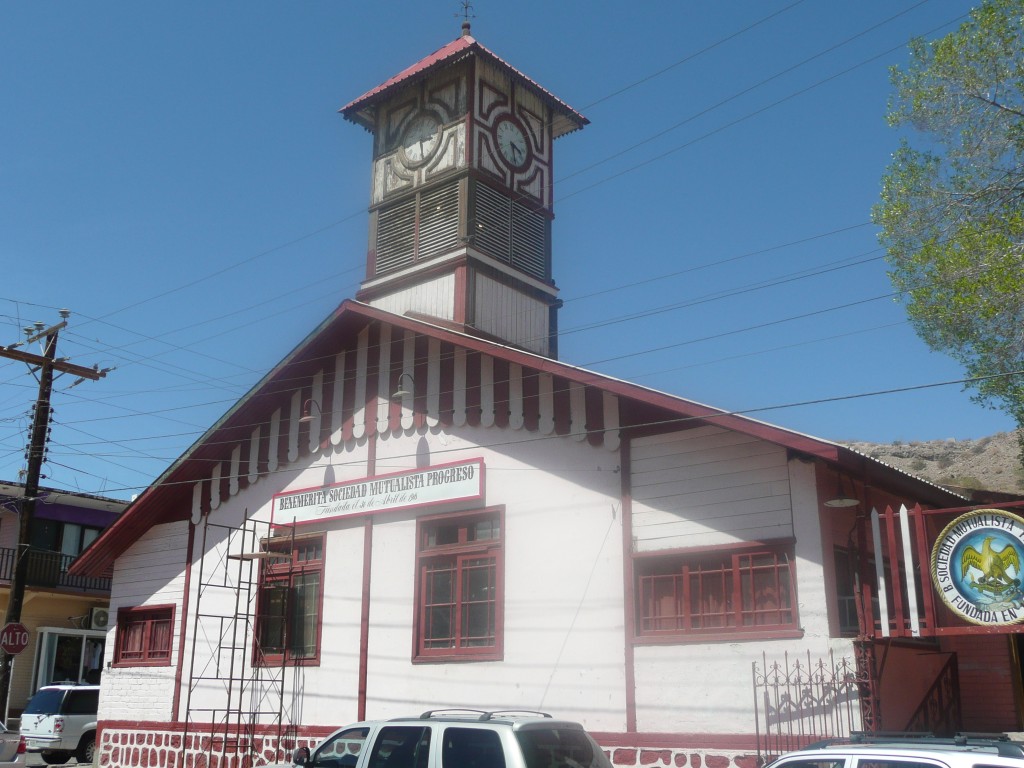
point(145, 748)
point(623, 757)
point(174, 747)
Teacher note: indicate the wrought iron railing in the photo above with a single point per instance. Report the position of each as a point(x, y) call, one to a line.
point(49, 570)
point(797, 701)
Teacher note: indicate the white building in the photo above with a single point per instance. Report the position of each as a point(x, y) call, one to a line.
point(421, 507)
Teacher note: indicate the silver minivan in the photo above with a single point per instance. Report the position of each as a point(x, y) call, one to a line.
point(60, 721)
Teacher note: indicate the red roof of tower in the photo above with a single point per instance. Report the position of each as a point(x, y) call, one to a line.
point(360, 110)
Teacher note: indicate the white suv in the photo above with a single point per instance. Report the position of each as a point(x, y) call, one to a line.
point(60, 721)
point(908, 751)
point(458, 739)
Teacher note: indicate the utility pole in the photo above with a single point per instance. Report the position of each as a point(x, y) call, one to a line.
point(46, 364)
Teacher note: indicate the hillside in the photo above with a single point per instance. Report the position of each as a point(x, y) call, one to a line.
point(990, 462)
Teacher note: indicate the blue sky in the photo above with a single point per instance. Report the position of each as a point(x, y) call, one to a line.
point(177, 175)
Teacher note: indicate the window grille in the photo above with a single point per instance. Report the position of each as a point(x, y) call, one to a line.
point(460, 594)
point(144, 636)
point(714, 592)
point(290, 601)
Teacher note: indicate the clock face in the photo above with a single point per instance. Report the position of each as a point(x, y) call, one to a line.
point(512, 143)
point(419, 140)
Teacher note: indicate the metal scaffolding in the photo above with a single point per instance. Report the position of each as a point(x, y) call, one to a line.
point(234, 699)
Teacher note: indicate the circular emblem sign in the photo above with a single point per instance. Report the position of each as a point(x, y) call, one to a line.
point(976, 567)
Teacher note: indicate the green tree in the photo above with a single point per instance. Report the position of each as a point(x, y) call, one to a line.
point(952, 206)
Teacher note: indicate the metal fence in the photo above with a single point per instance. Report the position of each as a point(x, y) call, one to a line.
point(798, 701)
point(49, 570)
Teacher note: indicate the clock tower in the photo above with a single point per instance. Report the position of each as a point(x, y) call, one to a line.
point(462, 195)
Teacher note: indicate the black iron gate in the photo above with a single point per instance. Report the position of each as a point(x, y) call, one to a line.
point(799, 701)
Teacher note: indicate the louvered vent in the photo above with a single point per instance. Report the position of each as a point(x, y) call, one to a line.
point(529, 235)
point(439, 221)
point(490, 226)
point(510, 231)
point(396, 236)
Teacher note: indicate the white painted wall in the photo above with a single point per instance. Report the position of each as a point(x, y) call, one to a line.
point(509, 314)
point(150, 572)
point(563, 638)
point(335, 679)
point(327, 694)
point(434, 297)
point(707, 487)
point(564, 628)
point(563, 584)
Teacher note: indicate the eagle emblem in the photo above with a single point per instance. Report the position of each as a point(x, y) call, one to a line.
point(976, 567)
point(989, 570)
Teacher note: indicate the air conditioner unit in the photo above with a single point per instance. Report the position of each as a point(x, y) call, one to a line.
point(99, 618)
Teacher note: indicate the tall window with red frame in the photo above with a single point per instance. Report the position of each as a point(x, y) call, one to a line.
point(460, 598)
point(144, 636)
point(716, 592)
point(290, 599)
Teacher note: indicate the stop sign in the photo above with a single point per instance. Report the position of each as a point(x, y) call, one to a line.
point(13, 638)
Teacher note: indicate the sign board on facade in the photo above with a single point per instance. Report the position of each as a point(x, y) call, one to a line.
point(13, 638)
point(976, 567)
point(443, 484)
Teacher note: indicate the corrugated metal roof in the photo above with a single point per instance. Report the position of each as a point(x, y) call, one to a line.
point(466, 45)
point(898, 470)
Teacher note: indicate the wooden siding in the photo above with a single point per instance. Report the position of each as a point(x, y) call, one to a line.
point(434, 297)
point(708, 486)
point(508, 314)
point(152, 569)
point(150, 572)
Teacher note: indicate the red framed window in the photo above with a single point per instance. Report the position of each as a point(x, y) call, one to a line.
point(290, 601)
point(144, 636)
point(717, 592)
point(460, 594)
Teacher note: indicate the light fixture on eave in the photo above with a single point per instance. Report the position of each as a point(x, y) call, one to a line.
point(842, 499)
point(307, 413)
point(402, 392)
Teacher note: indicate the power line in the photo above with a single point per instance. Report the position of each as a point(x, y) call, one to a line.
point(742, 119)
point(46, 365)
point(744, 91)
point(691, 56)
point(717, 263)
point(233, 266)
point(632, 354)
point(250, 259)
point(306, 236)
point(724, 294)
point(778, 348)
point(675, 421)
point(635, 353)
